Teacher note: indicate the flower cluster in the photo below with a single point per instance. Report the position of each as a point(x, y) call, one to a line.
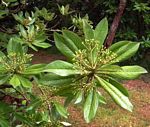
point(15, 63)
point(92, 57)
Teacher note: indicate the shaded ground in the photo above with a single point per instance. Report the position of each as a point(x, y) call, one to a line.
point(111, 115)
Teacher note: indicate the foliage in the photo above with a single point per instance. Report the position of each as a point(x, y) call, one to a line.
point(15, 66)
point(91, 67)
point(28, 92)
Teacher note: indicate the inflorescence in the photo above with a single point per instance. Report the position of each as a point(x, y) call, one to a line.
point(15, 62)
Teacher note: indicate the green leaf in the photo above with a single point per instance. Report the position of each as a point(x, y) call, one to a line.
point(109, 68)
point(88, 31)
point(21, 118)
point(118, 86)
point(61, 68)
point(25, 82)
point(4, 78)
point(23, 31)
point(129, 72)
point(31, 31)
point(101, 31)
point(33, 47)
point(4, 122)
point(35, 103)
point(35, 69)
point(73, 38)
point(90, 106)
point(79, 97)
point(60, 109)
point(14, 47)
point(14, 81)
point(64, 46)
point(56, 80)
point(41, 44)
point(124, 49)
point(116, 94)
point(101, 99)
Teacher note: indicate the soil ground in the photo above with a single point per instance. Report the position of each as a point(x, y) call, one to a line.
point(110, 115)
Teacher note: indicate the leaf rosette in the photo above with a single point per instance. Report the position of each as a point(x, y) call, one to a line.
point(91, 67)
point(16, 68)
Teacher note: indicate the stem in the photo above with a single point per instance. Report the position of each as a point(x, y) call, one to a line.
point(115, 23)
point(22, 94)
point(48, 105)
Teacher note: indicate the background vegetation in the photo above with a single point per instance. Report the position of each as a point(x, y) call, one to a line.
point(27, 26)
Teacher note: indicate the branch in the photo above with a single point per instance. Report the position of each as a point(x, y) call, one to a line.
point(115, 23)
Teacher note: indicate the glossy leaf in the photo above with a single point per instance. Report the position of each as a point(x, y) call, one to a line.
point(56, 80)
point(73, 38)
point(116, 94)
point(109, 68)
point(90, 106)
point(63, 46)
point(118, 86)
point(79, 97)
point(101, 31)
point(14, 47)
point(100, 98)
point(23, 31)
point(61, 110)
point(88, 31)
point(14, 81)
point(25, 82)
point(124, 49)
point(35, 69)
point(129, 72)
point(41, 44)
point(61, 68)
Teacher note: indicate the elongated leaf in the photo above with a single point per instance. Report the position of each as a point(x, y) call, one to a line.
point(61, 110)
point(79, 97)
point(101, 31)
point(129, 72)
point(14, 81)
point(25, 82)
point(117, 96)
point(100, 98)
point(61, 68)
point(42, 44)
point(90, 106)
point(56, 80)
point(88, 31)
point(63, 46)
point(119, 86)
point(14, 46)
point(23, 31)
point(124, 49)
point(73, 38)
point(110, 68)
point(33, 47)
point(35, 69)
